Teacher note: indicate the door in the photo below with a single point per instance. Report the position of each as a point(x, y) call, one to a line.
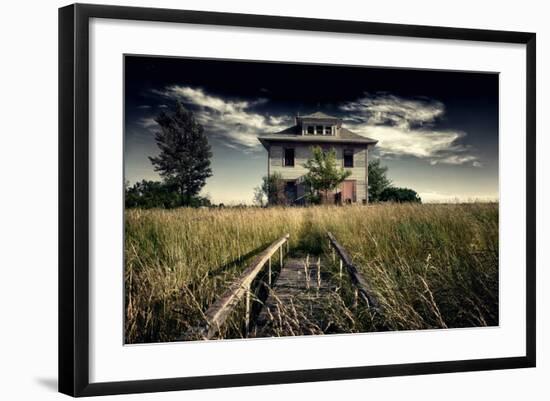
point(348, 191)
point(291, 191)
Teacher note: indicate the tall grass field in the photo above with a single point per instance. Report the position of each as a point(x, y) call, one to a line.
point(430, 266)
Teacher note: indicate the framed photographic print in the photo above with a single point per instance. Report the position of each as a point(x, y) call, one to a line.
point(249, 199)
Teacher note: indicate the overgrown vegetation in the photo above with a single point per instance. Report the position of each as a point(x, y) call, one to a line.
point(271, 192)
point(430, 266)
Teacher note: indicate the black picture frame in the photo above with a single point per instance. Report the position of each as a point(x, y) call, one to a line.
point(74, 203)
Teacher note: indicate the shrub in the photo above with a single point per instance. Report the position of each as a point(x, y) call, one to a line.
point(395, 194)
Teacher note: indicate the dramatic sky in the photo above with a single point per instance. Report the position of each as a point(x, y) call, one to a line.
point(437, 130)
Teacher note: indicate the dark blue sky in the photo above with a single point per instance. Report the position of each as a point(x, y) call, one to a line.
point(437, 130)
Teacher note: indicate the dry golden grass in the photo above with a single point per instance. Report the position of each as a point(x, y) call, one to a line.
point(431, 266)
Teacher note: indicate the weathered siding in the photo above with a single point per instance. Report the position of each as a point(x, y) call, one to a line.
point(359, 170)
point(303, 153)
point(275, 158)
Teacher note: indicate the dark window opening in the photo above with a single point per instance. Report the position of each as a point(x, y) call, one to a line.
point(328, 130)
point(311, 129)
point(319, 130)
point(291, 191)
point(289, 157)
point(348, 158)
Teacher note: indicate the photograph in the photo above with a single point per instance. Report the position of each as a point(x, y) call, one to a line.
point(275, 199)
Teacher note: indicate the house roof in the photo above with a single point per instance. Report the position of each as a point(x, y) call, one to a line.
point(318, 115)
point(293, 134)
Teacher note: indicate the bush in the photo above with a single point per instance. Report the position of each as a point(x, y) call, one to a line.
point(395, 194)
point(155, 194)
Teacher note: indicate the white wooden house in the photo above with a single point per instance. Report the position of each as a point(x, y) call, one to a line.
point(289, 149)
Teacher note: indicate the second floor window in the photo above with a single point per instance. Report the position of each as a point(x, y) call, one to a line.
point(289, 157)
point(348, 158)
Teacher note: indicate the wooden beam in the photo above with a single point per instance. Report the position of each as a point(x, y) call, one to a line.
point(357, 279)
point(220, 310)
point(269, 272)
point(247, 313)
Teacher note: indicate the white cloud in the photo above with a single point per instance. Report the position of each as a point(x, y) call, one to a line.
point(403, 127)
point(456, 159)
point(390, 109)
point(406, 127)
point(231, 120)
point(439, 197)
point(148, 122)
point(419, 143)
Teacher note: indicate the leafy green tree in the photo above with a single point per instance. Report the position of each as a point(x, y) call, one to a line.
point(271, 192)
point(395, 194)
point(378, 181)
point(323, 174)
point(184, 158)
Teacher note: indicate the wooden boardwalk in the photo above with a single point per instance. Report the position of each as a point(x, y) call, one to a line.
point(296, 304)
point(302, 299)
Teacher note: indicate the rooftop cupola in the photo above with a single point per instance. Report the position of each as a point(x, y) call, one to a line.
point(319, 123)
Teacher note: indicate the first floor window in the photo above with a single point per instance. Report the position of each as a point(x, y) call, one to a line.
point(310, 129)
point(289, 157)
point(319, 130)
point(328, 130)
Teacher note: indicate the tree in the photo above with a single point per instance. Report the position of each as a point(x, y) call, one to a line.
point(272, 190)
point(184, 158)
point(378, 181)
point(381, 189)
point(259, 196)
point(395, 194)
point(149, 194)
point(155, 194)
point(323, 175)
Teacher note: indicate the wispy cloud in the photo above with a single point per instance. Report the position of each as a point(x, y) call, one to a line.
point(441, 197)
point(232, 120)
point(148, 122)
point(456, 160)
point(403, 127)
point(393, 110)
point(408, 127)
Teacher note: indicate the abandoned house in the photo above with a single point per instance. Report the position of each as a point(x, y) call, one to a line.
point(289, 149)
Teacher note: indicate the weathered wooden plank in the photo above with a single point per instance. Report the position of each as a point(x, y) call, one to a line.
point(218, 313)
point(301, 289)
point(364, 290)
